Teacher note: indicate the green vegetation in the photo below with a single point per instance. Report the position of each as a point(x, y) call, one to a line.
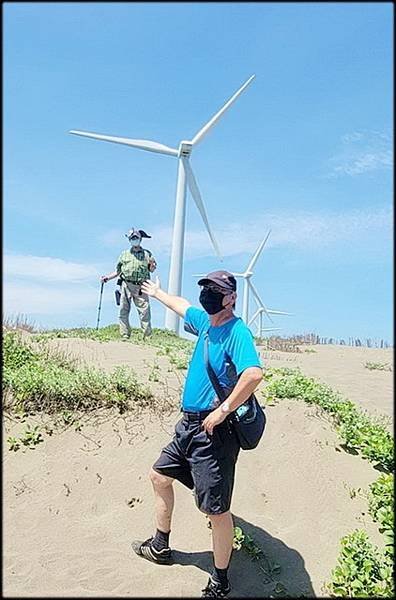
point(177, 349)
point(373, 366)
point(359, 431)
point(244, 541)
point(363, 570)
point(160, 338)
point(270, 571)
point(30, 438)
point(36, 380)
point(381, 507)
point(155, 372)
point(13, 443)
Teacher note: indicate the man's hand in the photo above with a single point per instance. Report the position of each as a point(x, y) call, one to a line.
point(176, 303)
point(104, 279)
point(150, 287)
point(152, 265)
point(216, 417)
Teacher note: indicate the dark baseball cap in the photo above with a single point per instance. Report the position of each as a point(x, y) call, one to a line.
point(223, 279)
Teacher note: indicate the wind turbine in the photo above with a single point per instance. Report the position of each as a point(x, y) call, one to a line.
point(248, 287)
point(185, 177)
point(259, 314)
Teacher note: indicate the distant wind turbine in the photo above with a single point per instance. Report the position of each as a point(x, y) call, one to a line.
point(250, 287)
point(185, 177)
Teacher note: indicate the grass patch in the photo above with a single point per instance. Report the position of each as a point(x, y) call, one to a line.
point(177, 349)
point(377, 366)
point(159, 337)
point(36, 380)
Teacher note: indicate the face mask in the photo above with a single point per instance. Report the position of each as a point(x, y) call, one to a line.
point(211, 301)
point(135, 241)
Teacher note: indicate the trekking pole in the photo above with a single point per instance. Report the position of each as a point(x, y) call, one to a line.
point(100, 304)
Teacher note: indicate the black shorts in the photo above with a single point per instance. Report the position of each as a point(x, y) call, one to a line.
point(204, 463)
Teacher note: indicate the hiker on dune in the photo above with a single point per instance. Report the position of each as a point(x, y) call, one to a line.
point(205, 447)
point(133, 267)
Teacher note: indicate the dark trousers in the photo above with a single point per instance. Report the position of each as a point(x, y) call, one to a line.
point(204, 463)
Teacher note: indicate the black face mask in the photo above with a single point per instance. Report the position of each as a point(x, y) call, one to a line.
point(211, 301)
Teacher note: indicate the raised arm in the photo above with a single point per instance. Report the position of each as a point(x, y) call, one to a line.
point(106, 278)
point(175, 303)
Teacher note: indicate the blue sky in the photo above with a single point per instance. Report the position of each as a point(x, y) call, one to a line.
point(306, 151)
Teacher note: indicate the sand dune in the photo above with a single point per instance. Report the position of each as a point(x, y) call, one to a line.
point(73, 505)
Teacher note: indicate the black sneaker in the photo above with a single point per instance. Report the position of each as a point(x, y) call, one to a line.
point(214, 589)
point(147, 550)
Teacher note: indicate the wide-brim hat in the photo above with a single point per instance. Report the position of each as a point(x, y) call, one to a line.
point(139, 232)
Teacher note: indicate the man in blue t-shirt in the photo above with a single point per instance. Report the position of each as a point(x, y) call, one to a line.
point(204, 450)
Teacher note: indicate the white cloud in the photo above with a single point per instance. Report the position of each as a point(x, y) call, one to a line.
point(37, 299)
point(301, 229)
point(43, 285)
point(62, 290)
point(362, 151)
point(47, 268)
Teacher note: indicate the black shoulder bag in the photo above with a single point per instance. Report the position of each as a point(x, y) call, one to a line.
point(248, 420)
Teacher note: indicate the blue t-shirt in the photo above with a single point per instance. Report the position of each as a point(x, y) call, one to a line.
point(231, 341)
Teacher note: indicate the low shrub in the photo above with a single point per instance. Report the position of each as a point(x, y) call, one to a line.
point(362, 570)
point(373, 366)
point(37, 381)
point(381, 507)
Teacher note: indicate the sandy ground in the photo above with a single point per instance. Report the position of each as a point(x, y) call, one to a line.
point(73, 505)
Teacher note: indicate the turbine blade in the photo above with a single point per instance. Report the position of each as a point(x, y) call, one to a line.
point(271, 328)
point(141, 144)
point(279, 312)
point(202, 132)
point(196, 194)
point(258, 252)
point(256, 314)
point(261, 303)
point(238, 274)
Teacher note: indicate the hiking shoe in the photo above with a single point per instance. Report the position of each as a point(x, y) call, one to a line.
point(214, 589)
point(147, 550)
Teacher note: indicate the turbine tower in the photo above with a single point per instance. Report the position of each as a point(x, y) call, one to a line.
point(185, 178)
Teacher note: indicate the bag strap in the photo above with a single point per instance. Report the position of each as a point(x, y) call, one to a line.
point(212, 375)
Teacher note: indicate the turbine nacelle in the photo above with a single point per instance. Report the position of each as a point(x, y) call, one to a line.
point(185, 148)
